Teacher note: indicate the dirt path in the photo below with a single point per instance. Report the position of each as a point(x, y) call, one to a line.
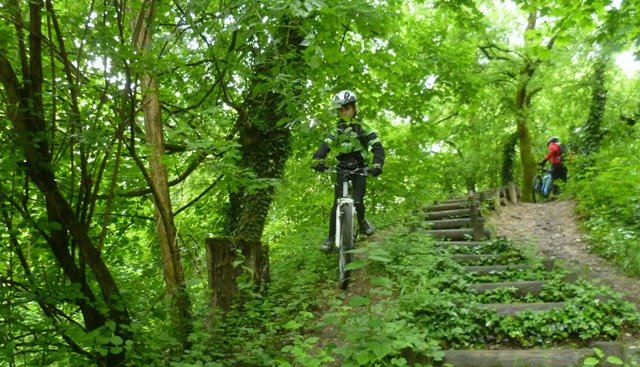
point(557, 236)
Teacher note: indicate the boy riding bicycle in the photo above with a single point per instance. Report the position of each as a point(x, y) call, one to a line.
point(351, 140)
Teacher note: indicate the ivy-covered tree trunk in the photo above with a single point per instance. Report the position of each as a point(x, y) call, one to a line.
point(158, 181)
point(522, 105)
point(508, 153)
point(591, 134)
point(264, 144)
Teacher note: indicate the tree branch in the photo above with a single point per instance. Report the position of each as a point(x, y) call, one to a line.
point(197, 198)
point(447, 118)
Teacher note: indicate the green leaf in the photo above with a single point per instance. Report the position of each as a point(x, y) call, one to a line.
point(598, 352)
point(359, 301)
point(381, 282)
point(355, 265)
point(590, 362)
point(292, 325)
point(615, 360)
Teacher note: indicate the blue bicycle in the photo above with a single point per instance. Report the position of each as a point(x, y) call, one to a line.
point(542, 185)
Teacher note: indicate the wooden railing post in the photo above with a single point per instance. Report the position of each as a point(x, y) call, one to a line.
point(497, 203)
point(513, 195)
point(478, 231)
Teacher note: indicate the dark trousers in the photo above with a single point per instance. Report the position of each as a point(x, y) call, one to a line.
point(558, 172)
point(359, 188)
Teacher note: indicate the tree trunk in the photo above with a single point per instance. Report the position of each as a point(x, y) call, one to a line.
point(526, 153)
point(222, 253)
point(264, 146)
point(508, 153)
point(25, 110)
point(591, 134)
point(159, 184)
point(522, 104)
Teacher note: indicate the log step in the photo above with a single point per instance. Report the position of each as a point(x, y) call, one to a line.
point(456, 213)
point(467, 244)
point(452, 223)
point(489, 269)
point(506, 309)
point(474, 257)
point(446, 206)
point(530, 357)
point(457, 200)
point(456, 234)
point(522, 288)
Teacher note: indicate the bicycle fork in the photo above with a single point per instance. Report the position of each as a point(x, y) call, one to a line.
point(344, 200)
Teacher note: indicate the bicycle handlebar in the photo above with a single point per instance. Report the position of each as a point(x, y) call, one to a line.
point(362, 171)
point(544, 169)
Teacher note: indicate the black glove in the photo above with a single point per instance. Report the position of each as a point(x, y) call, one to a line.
point(541, 164)
point(376, 170)
point(320, 167)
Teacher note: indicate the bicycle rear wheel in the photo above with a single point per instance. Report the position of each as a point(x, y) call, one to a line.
point(347, 237)
point(536, 190)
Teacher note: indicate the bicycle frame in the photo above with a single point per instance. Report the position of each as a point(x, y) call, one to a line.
point(542, 184)
point(345, 200)
point(345, 208)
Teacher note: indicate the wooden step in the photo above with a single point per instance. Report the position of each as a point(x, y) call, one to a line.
point(452, 223)
point(444, 214)
point(562, 357)
point(507, 309)
point(522, 288)
point(465, 244)
point(456, 234)
point(446, 206)
point(474, 257)
point(456, 200)
point(490, 269)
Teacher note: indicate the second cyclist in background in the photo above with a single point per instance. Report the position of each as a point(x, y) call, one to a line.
point(555, 157)
point(351, 140)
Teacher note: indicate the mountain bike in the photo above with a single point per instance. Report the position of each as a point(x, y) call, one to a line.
point(542, 184)
point(346, 224)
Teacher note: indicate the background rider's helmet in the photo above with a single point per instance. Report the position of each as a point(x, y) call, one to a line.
point(553, 139)
point(342, 98)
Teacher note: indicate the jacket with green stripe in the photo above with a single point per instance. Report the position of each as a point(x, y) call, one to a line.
point(352, 141)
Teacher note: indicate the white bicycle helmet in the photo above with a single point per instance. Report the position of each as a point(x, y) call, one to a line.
point(342, 98)
point(553, 139)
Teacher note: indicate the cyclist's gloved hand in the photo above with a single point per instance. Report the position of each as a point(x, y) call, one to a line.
point(320, 167)
point(376, 170)
point(541, 163)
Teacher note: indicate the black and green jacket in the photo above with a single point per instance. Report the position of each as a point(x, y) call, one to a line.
point(352, 141)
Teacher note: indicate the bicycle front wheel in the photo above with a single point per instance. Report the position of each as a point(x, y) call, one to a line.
point(536, 189)
point(347, 237)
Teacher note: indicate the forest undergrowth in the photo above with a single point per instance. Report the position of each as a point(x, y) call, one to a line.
point(410, 302)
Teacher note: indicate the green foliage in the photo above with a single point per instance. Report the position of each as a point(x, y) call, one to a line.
point(608, 193)
point(435, 80)
point(600, 357)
